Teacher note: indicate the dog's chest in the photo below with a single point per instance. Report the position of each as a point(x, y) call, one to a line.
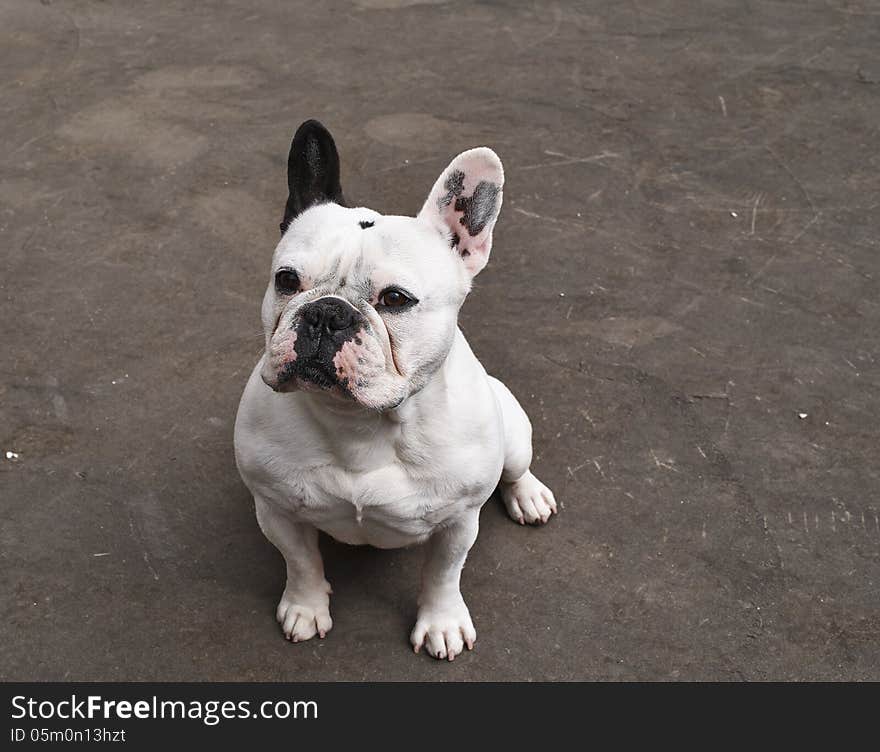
point(384, 506)
point(389, 502)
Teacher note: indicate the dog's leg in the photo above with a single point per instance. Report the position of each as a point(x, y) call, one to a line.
point(304, 609)
point(526, 498)
point(444, 624)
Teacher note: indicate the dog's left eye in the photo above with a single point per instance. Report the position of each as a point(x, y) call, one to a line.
point(394, 298)
point(287, 281)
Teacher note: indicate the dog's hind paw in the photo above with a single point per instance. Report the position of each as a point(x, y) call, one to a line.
point(528, 500)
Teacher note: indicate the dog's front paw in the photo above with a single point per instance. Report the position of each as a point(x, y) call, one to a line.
point(303, 614)
point(444, 628)
point(528, 500)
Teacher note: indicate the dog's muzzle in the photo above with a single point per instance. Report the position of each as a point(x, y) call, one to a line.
point(324, 326)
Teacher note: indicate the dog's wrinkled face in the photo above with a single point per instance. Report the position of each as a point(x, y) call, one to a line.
point(360, 305)
point(363, 306)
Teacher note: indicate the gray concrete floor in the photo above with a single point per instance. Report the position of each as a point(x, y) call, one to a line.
point(686, 261)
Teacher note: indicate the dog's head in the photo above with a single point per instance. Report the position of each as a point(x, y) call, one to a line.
point(361, 305)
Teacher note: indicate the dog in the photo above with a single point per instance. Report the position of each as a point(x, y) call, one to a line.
point(368, 416)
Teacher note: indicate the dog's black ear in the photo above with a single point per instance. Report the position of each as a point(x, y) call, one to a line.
point(312, 171)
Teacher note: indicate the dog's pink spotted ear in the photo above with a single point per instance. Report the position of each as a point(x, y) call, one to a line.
point(464, 205)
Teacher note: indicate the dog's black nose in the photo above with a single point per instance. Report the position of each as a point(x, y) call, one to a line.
point(330, 314)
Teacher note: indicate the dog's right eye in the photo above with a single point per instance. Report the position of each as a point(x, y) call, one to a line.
point(287, 281)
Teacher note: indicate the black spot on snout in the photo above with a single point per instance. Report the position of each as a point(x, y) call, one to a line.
point(286, 373)
point(480, 208)
point(365, 224)
point(324, 326)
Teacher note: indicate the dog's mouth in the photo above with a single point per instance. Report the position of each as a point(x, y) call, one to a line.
point(332, 352)
point(316, 373)
point(312, 372)
point(307, 374)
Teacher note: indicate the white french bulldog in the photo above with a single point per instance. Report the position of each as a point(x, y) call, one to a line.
point(368, 416)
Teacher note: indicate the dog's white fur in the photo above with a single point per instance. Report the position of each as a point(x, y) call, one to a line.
point(412, 452)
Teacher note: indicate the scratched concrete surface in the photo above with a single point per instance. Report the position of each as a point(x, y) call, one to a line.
point(683, 293)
